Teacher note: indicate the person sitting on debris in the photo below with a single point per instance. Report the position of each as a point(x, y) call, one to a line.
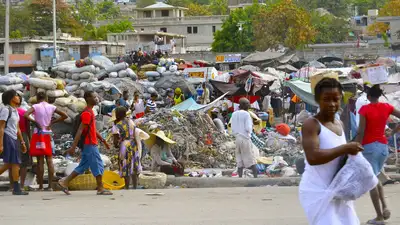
point(162, 158)
point(169, 99)
point(9, 136)
point(324, 144)
point(138, 106)
point(125, 138)
point(151, 105)
point(178, 96)
point(242, 127)
point(42, 118)
point(123, 101)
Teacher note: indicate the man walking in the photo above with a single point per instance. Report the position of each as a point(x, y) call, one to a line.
point(90, 155)
point(242, 127)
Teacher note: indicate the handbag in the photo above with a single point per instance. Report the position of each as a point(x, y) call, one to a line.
point(40, 145)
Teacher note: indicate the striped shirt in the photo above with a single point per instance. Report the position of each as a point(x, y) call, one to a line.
point(152, 105)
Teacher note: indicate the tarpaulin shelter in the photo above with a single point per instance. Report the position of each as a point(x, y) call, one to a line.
point(259, 57)
point(329, 58)
point(191, 105)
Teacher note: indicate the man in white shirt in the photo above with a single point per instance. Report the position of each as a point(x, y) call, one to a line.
point(242, 126)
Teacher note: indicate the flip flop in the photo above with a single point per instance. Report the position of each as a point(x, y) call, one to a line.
point(389, 182)
point(386, 214)
point(374, 222)
point(63, 189)
point(104, 192)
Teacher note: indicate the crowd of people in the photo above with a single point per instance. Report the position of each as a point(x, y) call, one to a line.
point(141, 57)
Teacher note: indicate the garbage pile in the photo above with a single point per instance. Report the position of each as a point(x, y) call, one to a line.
point(198, 140)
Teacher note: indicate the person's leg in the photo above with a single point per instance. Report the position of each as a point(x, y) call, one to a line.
point(385, 210)
point(15, 176)
point(238, 155)
point(240, 171)
point(135, 177)
point(254, 170)
point(10, 179)
point(127, 182)
point(40, 171)
point(97, 167)
point(23, 172)
point(374, 194)
point(80, 169)
point(50, 166)
point(5, 167)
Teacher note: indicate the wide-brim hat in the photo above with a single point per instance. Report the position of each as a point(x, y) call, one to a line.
point(160, 134)
point(114, 117)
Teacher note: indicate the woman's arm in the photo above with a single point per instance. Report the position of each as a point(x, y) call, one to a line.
point(27, 115)
point(316, 156)
point(155, 154)
point(361, 129)
point(63, 116)
point(170, 155)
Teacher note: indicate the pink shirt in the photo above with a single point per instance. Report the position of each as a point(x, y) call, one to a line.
point(22, 120)
point(43, 112)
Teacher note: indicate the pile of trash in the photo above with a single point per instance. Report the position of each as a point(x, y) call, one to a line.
point(197, 139)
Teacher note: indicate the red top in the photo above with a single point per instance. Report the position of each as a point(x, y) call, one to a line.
point(88, 118)
point(376, 116)
point(22, 121)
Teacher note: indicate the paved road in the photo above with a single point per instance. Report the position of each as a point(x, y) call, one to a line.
point(222, 206)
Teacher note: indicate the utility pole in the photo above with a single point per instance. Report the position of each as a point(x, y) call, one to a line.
point(7, 37)
point(54, 33)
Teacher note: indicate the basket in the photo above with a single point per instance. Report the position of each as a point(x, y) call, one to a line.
point(112, 181)
point(152, 180)
point(83, 182)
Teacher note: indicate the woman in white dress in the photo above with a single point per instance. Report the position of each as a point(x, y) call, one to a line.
point(324, 145)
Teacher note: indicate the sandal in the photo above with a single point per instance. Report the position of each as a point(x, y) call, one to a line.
point(20, 193)
point(389, 182)
point(63, 188)
point(386, 214)
point(104, 192)
point(375, 222)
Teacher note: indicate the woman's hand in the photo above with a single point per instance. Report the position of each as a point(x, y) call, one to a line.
point(23, 148)
point(353, 148)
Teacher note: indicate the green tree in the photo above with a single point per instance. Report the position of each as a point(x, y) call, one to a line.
point(107, 10)
point(364, 5)
point(391, 8)
point(230, 38)
point(330, 29)
point(198, 10)
point(283, 23)
point(144, 3)
point(219, 7)
point(15, 34)
point(93, 33)
point(87, 12)
point(180, 3)
point(336, 7)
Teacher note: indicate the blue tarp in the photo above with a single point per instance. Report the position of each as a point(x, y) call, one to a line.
point(188, 104)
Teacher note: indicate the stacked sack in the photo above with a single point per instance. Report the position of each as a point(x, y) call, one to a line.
point(71, 105)
point(41, 82)
point(166, 67)
point(12, 81)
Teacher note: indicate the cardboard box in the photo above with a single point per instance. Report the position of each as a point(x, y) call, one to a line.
point(375, 75)
point(319, 76)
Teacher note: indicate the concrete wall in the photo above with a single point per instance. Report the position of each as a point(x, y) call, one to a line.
point(395, 27)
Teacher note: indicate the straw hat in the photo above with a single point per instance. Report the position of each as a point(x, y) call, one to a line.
point(153, 137)
point(114, 117)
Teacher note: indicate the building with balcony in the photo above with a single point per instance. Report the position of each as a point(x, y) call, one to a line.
point(160, 17)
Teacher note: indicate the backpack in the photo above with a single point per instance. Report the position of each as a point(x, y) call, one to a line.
point(75, 126)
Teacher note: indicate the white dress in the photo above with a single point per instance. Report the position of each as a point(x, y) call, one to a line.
point(316, 200)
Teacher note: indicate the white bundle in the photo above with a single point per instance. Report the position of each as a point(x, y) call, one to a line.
point(161, 69)
point(130, 72)
point(101, 73)
point(36, 74)
point(151, 90)
point(32, 91)
point(98, 64)
point(113, 75)
point(4, 88)
point(68, 75)
point(75, 76)
point(90, 68)
point(152, 74)
point(83, 75)
point(70, 113)
point(78, 106)
point(117, 67)
point(63, 68)
point(122, 73)
point(44, 84)
point(78, 82)
point(173, 68)
point(8, 80)
point(56, 93)
point(71, 88)
point(63, 101)
point(60, 74)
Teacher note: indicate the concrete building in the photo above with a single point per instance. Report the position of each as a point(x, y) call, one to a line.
point(160, 17)
point(394, 22)
point(83, 49)
point(149, 41)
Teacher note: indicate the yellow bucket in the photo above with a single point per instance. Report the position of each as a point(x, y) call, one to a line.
point(112, 181)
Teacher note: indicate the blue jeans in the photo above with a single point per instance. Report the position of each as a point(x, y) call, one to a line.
point(90, 159)
point(376, 153)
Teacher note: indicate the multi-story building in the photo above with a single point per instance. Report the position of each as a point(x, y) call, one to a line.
point(394, 23)
point(160, 17)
